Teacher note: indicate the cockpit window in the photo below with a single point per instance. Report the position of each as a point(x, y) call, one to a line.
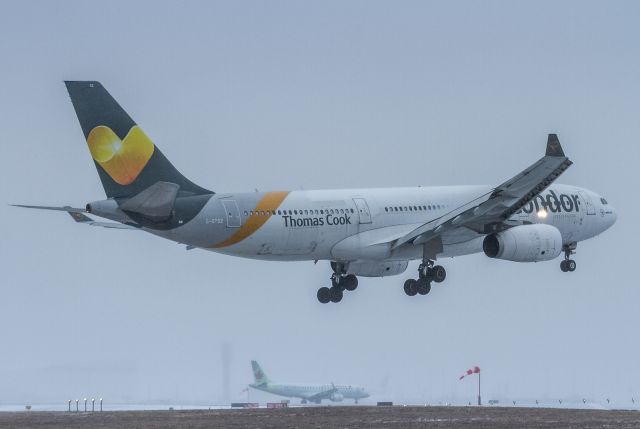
point(603, 201)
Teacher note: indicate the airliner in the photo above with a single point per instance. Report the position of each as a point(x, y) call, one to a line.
point(306, 392)
point(360, 232)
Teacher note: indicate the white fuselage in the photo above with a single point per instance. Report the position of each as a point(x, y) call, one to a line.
point(331, 392)
point(360, 224)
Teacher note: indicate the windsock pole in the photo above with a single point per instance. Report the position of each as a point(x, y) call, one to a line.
point(479, 398)
point(474, 370)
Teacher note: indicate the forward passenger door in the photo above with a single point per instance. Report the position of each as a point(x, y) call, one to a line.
point(364, 215)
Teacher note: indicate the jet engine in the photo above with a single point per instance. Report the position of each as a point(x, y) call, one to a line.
point(336, 397)
point(524, 243)
point(376, 268)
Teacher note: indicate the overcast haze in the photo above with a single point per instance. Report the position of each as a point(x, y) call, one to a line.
point(290, 95)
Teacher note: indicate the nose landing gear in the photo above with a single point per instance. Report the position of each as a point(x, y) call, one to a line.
point(568, 264)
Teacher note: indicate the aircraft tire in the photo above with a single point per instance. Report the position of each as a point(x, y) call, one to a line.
point(563, 266)
point(424, 287)
point(571, 265)
point(438, 273)
point(324, 295)
point(350, 282)
point(335, 294)
point(411, 287)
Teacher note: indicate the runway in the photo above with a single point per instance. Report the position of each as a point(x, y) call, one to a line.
point(332, 417)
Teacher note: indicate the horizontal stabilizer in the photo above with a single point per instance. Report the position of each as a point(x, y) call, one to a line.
point(86, 220)
point(62, 209)
point(79, 216)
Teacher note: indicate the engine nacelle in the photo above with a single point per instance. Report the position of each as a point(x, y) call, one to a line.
point(336, 397)
point(377, 269)
point(524, 243)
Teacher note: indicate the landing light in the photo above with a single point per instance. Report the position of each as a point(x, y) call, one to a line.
point(542, 214)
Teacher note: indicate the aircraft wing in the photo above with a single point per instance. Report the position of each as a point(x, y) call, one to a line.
point(325, 394)
point(489, 212)
point(79, 216)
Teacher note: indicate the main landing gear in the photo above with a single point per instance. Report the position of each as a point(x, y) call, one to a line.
point(340, 281)
point(427, 272)
point(568, 264)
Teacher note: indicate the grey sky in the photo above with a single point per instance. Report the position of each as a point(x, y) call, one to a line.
point(283, 95)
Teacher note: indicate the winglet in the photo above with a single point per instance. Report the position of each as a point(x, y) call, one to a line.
point(553, 146)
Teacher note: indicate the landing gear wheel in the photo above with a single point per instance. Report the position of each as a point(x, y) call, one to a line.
point(324, 295)
point(335, 294)
point(424, 286)
point(350, 282)
point(568, 265)
point(438, 273)
point(411, 287)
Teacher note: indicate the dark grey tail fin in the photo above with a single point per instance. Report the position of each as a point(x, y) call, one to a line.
point(554, 148)
point(127, 160)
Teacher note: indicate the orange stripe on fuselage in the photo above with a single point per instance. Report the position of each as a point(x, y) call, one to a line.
point(270, 202)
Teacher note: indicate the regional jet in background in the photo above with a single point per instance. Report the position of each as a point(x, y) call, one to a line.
point(361, 232)
point(306, 392)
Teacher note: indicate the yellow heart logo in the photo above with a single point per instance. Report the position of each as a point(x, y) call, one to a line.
point(123, 160)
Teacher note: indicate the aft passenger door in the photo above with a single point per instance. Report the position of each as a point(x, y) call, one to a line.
point(364, 215)
point(232, 212)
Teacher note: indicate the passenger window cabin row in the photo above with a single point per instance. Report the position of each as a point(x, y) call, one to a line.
point(414, 208)
point(308, 212)
point(339, 211)
point(296, 212)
